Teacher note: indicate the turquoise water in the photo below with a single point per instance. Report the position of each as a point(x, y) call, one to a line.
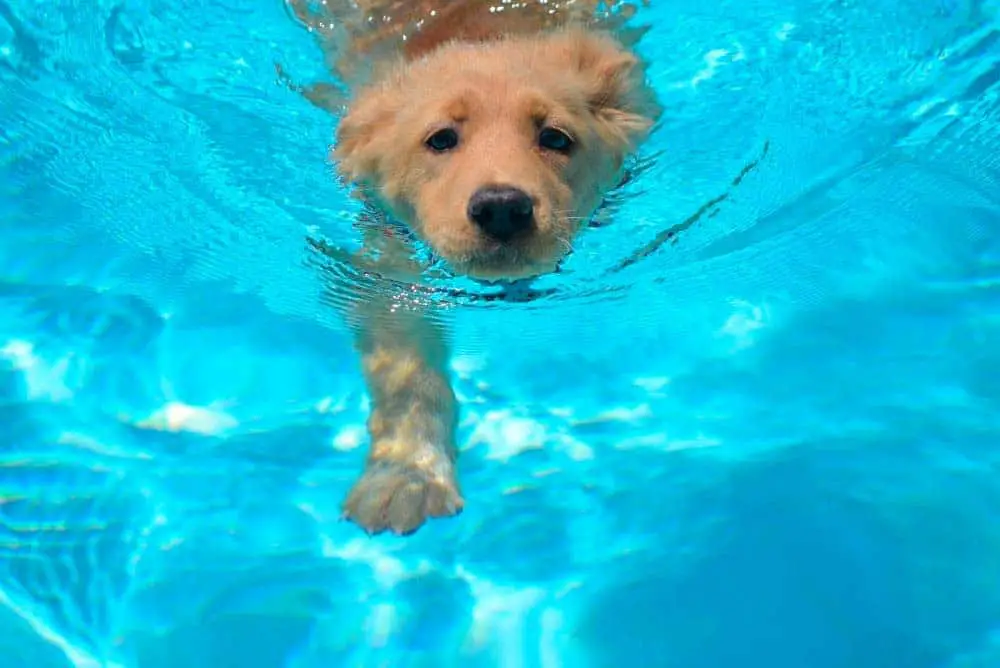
point(769, 440)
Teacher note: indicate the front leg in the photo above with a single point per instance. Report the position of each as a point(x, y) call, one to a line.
point(410, 471)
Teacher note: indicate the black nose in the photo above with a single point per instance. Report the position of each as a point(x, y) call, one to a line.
point(502, 212)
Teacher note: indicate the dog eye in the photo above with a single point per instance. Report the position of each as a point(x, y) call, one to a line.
point(552, 139)
point(442, 140)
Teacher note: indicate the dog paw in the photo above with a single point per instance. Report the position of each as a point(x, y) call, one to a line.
point(399, 497)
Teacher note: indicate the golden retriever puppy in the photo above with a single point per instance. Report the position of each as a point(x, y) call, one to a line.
point(493, 136)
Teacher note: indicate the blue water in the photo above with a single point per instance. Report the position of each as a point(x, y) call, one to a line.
point(771, 441)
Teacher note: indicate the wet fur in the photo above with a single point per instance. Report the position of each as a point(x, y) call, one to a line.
point(497, 80)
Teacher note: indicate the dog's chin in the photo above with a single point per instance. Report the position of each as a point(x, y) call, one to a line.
point(503, 265)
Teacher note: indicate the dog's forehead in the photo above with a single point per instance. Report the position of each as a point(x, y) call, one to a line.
point(502, 72)
point(472, 97)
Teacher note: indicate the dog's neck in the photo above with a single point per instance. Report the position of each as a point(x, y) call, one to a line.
point(413, 30)
point(477, 21)
point(360, 37)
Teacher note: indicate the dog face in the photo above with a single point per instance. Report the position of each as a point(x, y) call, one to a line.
point(496, 154)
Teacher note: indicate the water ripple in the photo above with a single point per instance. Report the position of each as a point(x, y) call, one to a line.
point(766, 377)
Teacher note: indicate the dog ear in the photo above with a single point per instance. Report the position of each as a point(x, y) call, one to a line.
point(615, 83)
point(364, 127)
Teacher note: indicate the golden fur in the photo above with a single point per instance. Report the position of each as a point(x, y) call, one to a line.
point(538, 101)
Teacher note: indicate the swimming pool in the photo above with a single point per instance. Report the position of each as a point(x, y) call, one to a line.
point(768, 441)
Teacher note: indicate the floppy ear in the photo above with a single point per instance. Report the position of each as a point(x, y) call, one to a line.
point(362, 133)
point(617, 91)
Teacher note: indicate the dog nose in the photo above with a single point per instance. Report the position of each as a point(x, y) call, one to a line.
point(502, 212)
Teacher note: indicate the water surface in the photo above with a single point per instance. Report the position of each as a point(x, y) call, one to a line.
point(770, 440)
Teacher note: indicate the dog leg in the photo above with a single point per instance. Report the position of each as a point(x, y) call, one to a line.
point(410, 471)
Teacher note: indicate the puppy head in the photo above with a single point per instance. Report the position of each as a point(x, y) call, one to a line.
point(496, 154)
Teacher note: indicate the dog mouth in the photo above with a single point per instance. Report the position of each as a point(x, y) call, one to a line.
point(499, 263)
